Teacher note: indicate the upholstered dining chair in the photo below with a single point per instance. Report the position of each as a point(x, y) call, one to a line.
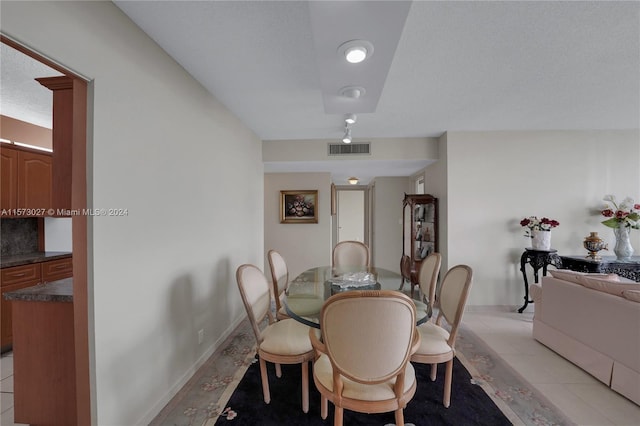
point(280, 342)
point(437, 344)
point(280, 281)
point(428, 281)
point(408, 274)
point(350, 253)
point(367, 338)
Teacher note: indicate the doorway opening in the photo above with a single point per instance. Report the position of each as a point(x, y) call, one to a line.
point(352, 218)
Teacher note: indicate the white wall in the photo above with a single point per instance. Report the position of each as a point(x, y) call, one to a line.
point(166, 150)
point(303, 245)
point(494, 179)
point(387, 221)
point(435, 183)
point(57, 234)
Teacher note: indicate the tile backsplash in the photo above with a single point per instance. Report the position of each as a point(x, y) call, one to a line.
point(18, 236)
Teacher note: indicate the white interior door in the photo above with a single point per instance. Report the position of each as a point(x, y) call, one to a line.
point(351, 215)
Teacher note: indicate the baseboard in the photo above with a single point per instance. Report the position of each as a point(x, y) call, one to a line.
point(184, 379)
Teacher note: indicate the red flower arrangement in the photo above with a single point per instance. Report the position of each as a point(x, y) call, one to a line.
point(535, 224)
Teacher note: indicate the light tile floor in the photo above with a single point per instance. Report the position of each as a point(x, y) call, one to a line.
point(582, 398)
point(578, 395)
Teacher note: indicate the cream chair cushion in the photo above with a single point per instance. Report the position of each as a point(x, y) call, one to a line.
point(433, 339)
point(286, 337)
point(363, 392)
point(351, 253)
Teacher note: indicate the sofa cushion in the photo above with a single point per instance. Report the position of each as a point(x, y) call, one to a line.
point(578, 277)
point(632, 295)
point(612, 287)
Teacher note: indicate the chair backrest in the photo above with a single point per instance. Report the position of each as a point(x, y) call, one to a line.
point(368, 335)
point(428, 277)
point(254, 289)
point(350, 253)
point(405, 267)
point(279, 274)
point(453, 297)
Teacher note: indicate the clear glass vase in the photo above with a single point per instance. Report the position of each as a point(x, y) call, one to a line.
point(623, 248)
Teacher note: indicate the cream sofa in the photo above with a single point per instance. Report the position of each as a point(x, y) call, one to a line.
point(592, 320)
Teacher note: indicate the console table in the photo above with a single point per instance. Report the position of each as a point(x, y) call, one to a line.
point(628, 268)
point(537, 259)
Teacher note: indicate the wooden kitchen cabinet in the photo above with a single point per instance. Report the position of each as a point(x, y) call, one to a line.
point(14, 278)
point(26, 181)
point(54, 270)
point(34, 180)
point(9, 182)
point(19, 277)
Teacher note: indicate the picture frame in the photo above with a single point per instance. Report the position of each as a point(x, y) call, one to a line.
point(299, 206)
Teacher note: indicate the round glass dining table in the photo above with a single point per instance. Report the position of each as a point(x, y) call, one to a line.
point(307, 293)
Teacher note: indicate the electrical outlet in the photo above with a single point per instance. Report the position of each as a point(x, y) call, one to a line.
point(200, 336)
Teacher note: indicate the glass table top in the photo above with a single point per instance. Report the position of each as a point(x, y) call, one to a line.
point(306, 293)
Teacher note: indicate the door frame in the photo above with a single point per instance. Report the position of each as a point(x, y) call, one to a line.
point(79, 224)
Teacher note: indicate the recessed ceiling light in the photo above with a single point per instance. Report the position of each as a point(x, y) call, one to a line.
point(350, 118)
point(353, 92)
point(356, 51)
point(356, 54)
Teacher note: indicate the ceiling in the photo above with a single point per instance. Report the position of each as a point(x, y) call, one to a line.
point(436, 67)
point(21, 97)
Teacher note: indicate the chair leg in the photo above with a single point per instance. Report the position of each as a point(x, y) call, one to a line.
point(265, 381)
point(337, 416)
point(324, 407)
point(434, 371)
point(399, 417)
point(447, 383)
point(278, 370)
point(305, 386)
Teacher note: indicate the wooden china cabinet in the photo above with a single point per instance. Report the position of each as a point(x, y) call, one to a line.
point(420, 233)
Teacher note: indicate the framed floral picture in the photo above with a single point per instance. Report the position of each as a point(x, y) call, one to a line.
point(299, 206)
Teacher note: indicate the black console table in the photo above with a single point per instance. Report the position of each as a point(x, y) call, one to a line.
point(628, 268)
point(537, 259)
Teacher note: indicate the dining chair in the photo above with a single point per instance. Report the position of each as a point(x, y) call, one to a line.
point(350, 253)
point(407, 273)
point(428, 281)
point(367, 338)
point(279, 280)
point(437, 345)
point(280, 342)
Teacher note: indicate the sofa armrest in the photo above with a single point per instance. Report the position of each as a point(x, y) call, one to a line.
point(535, 290)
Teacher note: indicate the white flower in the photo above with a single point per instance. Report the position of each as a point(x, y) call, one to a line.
point(626, 204)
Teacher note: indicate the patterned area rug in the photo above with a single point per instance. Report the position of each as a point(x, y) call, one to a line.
point(203, 399)
point(470, 405)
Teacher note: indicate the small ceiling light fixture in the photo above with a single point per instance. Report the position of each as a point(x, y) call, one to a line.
point(350, 118)
point(356, 51)
point(353, 92)
point(353, 180)
point(347, 135)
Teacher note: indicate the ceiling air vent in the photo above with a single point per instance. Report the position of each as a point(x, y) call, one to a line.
point(349, 149)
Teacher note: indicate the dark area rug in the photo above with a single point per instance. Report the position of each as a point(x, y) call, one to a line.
point(470, 405)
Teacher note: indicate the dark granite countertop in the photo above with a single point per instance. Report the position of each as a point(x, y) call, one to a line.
point(54, 291)
point(37, 257)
